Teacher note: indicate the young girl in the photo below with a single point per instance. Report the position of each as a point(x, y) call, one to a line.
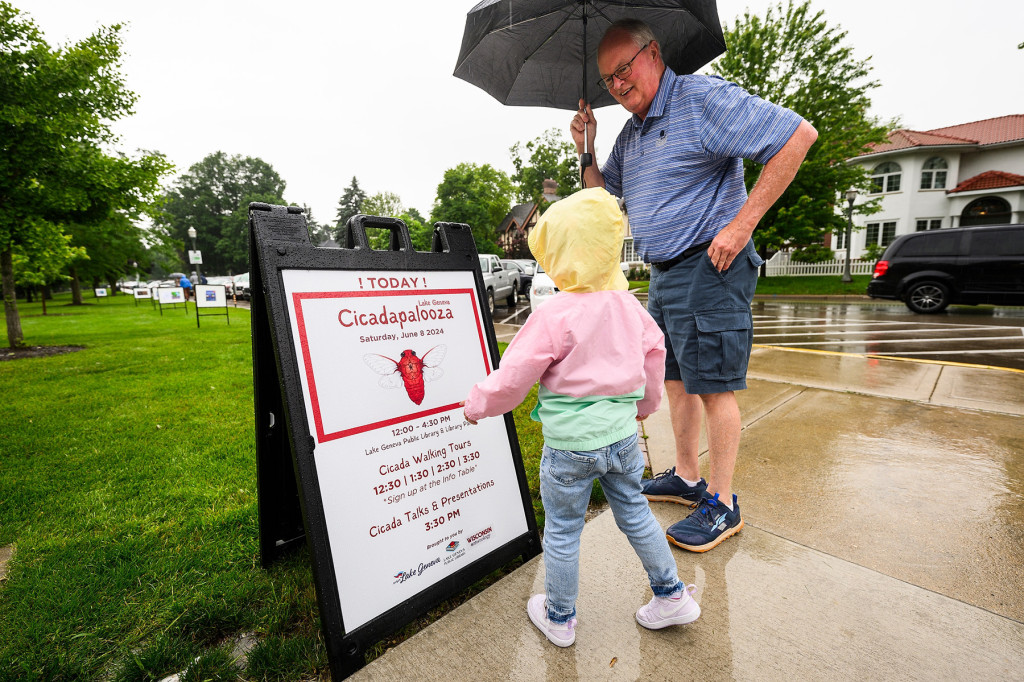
point(600, 360)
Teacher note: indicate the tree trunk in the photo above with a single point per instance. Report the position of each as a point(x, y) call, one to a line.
point(76, 287)
point(28, 294)
point(42, 297)
point(15, 337)
point(47, 293)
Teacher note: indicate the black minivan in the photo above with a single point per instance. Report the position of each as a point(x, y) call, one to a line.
point(929, 270)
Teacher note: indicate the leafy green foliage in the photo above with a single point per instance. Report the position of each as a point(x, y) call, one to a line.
point(813, 253)
point(793, 58)
point(477, 195)
point(56, 108)
point(382, 204)
point(213, 197)
point(552, 155)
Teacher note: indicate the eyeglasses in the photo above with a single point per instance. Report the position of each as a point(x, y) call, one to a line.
point(622, 73)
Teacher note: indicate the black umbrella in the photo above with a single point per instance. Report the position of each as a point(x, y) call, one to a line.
point(536, 52)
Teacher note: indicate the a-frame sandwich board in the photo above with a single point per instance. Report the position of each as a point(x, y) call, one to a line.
point(360, 360)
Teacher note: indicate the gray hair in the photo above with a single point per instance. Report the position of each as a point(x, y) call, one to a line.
point(640, 33)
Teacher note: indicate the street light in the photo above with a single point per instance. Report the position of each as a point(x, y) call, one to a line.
point(192, 236)
point(851, 196)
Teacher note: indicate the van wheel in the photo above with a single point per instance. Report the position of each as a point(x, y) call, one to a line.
point(490, 301)
point(513, 298)
point(928, 297)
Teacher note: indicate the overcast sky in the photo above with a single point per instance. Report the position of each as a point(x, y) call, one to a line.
point(327, 90)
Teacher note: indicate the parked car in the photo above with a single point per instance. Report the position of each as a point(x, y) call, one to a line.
point(242, 287)
point(224, 281)
point(499, 283)
point(929, 270)
point(525, 275)
point(529, 265)
point(542, 288)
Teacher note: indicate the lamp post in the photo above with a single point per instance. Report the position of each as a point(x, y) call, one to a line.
point(192, 236)
point(851, 196)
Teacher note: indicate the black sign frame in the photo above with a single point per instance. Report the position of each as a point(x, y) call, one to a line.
point(291, 509)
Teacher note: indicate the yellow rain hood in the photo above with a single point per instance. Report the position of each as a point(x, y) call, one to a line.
point(578, 242)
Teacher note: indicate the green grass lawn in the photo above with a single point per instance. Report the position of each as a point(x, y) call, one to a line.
point(812, 285)
point(128, 489)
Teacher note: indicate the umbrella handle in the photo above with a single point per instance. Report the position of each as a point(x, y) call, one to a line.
point(586, 159)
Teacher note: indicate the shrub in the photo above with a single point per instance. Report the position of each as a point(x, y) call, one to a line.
point(815, 253)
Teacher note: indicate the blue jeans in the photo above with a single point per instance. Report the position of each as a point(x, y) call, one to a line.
point(566, 478)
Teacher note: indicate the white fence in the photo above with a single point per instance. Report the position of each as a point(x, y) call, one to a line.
point(780, 264)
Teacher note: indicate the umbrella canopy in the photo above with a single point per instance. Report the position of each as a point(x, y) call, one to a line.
point(537, 52)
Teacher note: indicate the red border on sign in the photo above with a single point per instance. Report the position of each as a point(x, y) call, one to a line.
point(299, 297)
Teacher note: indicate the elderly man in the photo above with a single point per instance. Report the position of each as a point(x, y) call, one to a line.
point(678, 166)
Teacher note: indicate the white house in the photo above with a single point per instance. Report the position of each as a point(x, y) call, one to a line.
point(967, 174)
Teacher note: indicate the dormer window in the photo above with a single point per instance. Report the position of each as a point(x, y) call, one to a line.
point(886, 178)
point(933, 176)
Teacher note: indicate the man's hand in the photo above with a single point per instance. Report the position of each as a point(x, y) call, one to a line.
point(583, 120)
point(728, 243)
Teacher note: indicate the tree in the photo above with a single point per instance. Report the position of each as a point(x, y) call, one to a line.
point(477, 195)
point(212, 197)
point(552, 155)
point(41, 256)
point(348, 205)
point(383, 204)
point(56, 108)
point(793, 58)
point(421, 232)
point(318, 232)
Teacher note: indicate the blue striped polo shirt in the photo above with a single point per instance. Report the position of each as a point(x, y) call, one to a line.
point(680, 170)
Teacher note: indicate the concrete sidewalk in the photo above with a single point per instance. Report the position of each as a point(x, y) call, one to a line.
point(884, 538)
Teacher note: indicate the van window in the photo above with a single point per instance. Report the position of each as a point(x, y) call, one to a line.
point(931, 244)
point(998, 243)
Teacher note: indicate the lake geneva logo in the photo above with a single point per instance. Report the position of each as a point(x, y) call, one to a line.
point(452, 546)
point(402, 576)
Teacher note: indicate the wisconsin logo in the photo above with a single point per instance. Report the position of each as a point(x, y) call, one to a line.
point(485, 534)
point(452, 545)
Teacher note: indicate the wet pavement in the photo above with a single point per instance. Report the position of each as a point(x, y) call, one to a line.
point(982, 335)
point(884, 510)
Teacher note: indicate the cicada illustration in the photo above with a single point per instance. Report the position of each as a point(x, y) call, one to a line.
point(410, 370)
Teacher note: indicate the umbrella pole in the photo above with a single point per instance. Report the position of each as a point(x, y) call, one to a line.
point(586, 158)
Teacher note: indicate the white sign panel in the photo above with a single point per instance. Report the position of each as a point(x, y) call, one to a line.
point(169, 295)
point(101, 292)
point(211, 296)
point(141, 292)
point(195, 257)
point(411, 492)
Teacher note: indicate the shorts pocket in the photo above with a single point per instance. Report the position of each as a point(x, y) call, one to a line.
point(724, 339)
point(568, 467)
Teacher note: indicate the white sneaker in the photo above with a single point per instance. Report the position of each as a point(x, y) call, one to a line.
point(560, 634)
point(676, 609)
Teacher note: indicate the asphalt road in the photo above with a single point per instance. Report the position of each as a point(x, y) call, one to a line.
point(978, 335)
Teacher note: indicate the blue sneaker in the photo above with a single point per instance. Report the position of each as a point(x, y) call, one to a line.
point(709, 524)
point(667, 487)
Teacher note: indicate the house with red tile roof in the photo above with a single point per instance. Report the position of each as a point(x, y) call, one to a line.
point(957, 176)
